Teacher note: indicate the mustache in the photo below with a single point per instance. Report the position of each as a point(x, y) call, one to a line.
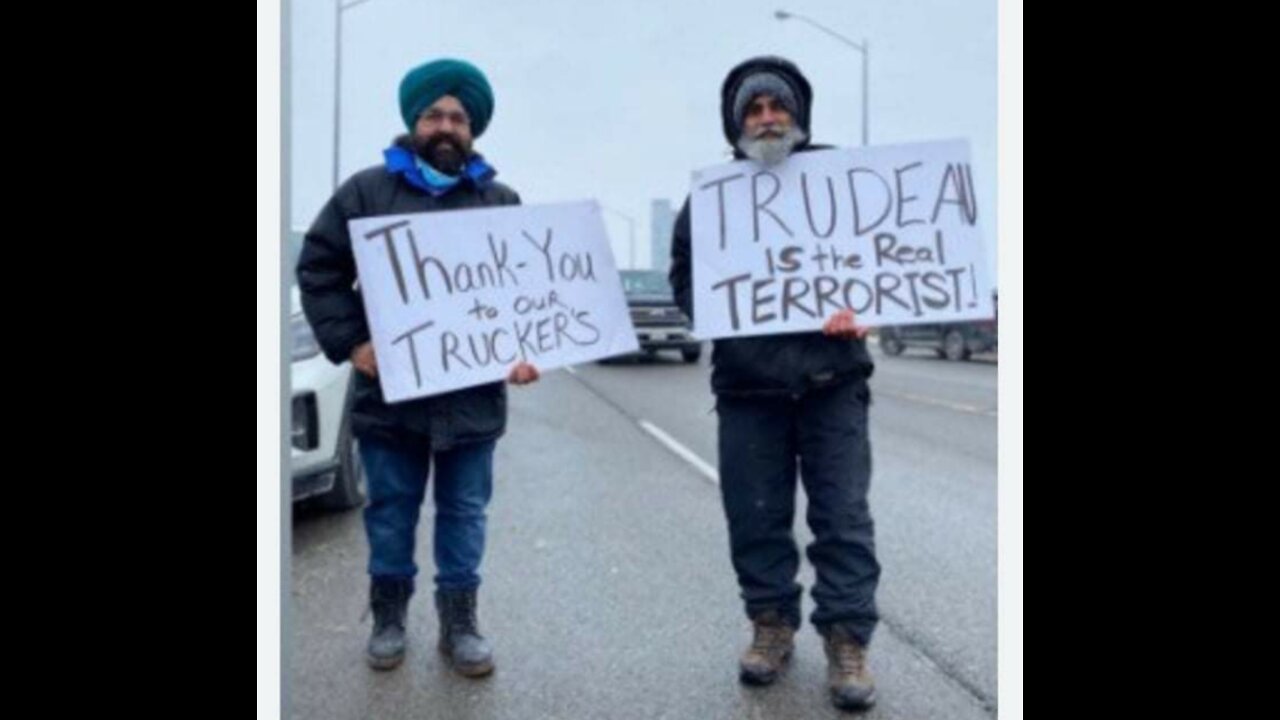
point(437, 140)
point(770, 130)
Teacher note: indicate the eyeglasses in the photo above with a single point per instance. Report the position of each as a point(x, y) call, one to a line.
point(437, 117)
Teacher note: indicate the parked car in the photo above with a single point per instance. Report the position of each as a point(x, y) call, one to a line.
point(954, 340)
point(659, 322)
point(324, 456)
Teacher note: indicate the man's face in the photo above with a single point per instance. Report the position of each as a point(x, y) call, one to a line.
point(765, 117)
point(442, 135)
point(768, 132)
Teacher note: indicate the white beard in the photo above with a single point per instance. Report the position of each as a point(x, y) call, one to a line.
point(771, 151)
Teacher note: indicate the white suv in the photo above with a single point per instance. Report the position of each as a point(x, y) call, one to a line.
point(325, 458)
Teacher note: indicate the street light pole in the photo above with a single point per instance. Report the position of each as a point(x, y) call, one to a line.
point(864, 47)
point(338, 9)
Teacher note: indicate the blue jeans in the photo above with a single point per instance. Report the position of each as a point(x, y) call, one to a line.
point(397, 482)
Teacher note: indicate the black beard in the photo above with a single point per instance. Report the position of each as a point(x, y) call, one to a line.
point(445, 153)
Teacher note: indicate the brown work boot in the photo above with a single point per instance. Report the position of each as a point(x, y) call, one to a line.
point(851, 685)
point(770, 649)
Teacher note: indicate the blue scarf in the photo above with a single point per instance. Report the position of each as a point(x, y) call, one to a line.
point(421, 175)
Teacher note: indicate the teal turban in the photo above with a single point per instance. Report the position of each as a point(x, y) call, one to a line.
point(425, 84)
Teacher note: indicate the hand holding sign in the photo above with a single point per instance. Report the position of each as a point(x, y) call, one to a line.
point(844, 325)
point(363, 359)
point(523, 374)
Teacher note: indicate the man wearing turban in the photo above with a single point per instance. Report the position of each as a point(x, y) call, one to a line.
point(446, 105)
